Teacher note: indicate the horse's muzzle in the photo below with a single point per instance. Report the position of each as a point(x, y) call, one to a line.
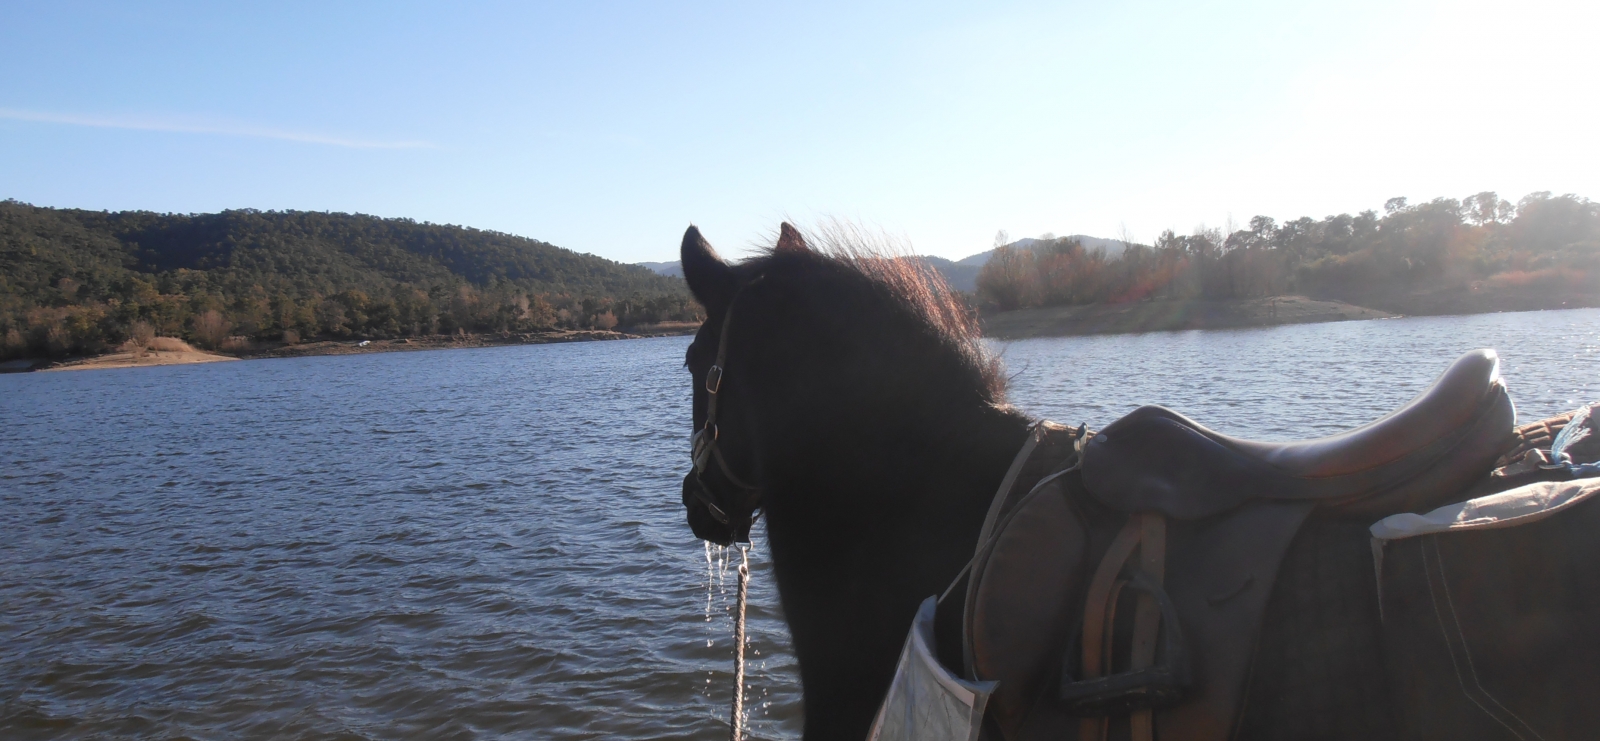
point(705, 526)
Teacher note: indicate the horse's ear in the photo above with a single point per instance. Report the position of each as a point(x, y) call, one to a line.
point(709, 278)
point(789, 239)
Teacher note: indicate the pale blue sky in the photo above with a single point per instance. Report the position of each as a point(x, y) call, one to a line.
point(608, 127)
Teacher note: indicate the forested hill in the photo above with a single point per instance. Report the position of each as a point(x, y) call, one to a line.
point(79, 281)
point(1443, 256)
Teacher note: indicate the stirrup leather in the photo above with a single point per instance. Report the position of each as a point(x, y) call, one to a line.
point(1146, 685)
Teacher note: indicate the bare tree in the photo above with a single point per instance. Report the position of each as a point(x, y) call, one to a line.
point(210, 329)
point(140, 337)
point(1125, 236)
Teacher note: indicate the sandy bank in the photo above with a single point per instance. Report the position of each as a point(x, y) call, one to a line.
point(1168, 315)
point(134, 360)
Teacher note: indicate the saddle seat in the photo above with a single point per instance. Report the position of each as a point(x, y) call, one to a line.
point(1227, 511)
point(1155, 459)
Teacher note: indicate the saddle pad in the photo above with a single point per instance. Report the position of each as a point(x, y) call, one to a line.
point(926, 702)
point(1489, 612)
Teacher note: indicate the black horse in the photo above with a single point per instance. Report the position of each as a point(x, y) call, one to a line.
point(856, 396)
point(845, 396)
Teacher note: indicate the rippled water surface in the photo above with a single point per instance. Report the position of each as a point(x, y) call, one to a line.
point(488, 543)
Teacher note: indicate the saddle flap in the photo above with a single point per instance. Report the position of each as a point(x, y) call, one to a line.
point(1030, 588)
point(1027, 596)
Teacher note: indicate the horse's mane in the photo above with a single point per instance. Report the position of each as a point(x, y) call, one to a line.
point(912, 287)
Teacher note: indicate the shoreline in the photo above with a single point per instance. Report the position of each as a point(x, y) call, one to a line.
point(341, 347)
point(1171, 315)
point(1168, 315)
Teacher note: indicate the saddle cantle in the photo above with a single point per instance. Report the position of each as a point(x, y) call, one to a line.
point(1210, 517)
point(1156, 459)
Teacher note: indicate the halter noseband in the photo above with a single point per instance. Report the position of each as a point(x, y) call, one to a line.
point(703, 444)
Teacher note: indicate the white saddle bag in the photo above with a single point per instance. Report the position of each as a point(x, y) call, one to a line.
point(926, 702)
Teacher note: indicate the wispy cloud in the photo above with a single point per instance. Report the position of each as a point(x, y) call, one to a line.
point(179, 126)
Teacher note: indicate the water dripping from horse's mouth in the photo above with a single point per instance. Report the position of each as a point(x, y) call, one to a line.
point(705, 526)
point(716, 577)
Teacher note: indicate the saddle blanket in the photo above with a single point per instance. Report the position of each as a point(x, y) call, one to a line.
point(1520, 506)
point(1488, 613)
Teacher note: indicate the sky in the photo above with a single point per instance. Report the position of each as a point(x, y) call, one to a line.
point(609, 127)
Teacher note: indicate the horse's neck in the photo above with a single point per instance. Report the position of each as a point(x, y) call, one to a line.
point(907, 487)
point(863, 528)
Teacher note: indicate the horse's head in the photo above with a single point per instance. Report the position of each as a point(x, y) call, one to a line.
point(722, 491)
point(811, 357)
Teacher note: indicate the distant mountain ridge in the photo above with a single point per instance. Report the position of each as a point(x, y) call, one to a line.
point(962, 274)
point(672, 269)
point(1113, 247)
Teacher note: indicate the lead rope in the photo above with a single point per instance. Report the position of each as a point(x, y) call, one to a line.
point(736, 722)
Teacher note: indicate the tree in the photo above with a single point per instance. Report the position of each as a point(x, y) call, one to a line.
point(1486, 208)
point(1263, 229)
point(140, 336)
point(1006, 279)
point(210, 329)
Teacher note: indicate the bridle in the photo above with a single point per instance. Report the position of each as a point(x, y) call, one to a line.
point(704, 449)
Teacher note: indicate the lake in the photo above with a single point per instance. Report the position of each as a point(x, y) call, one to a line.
point(489, 543)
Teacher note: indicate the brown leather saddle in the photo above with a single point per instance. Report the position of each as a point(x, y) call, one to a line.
point(1188, 526)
